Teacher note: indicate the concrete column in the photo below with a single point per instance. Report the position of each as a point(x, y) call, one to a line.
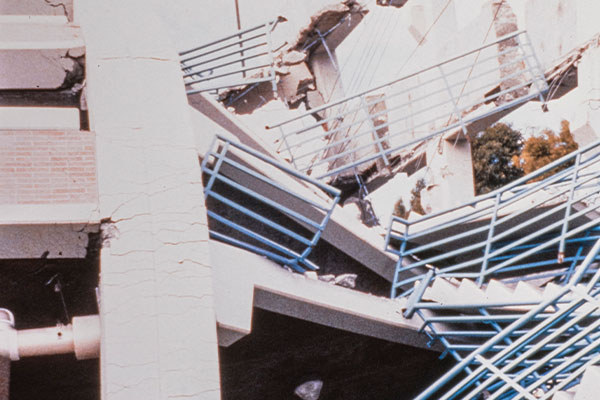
point(156, 297)
point(450, 177)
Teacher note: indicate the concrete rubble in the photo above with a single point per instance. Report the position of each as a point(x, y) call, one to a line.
point(296, 82)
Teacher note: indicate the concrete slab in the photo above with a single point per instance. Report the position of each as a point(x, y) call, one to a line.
point(343, 231)
point(283, 292)
point(47, 118)
point(38, 52)
point(37, 7)
point(45, 241)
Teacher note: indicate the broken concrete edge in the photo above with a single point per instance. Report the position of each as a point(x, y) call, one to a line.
point(571, 59)
point(294, 76)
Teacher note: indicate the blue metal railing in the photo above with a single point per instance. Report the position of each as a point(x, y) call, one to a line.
point(372, 126)
point(508, 231)
point(246, 204)
point(539, 353)
point(226, 62)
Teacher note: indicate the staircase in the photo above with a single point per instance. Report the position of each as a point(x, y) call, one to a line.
point(372, 127)
point(521, 229)
point(534, 352)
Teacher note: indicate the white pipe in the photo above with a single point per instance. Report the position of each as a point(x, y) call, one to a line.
point(81, 337)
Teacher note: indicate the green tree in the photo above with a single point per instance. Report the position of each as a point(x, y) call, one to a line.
point(493, 152)
point(545, 148)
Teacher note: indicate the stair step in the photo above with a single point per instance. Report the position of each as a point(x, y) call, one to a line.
point(524, 292)
point(38, 52)
point(469, 292)
point(441, 291)
point(497, 292)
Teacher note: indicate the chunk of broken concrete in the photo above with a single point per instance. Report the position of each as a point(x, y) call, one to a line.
point(346, 280)
point(293, 57)
point(312, 275)
point(329, 278)
point(310, 390)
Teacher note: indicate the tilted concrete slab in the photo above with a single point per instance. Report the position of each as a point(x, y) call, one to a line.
point(245, 280)
point(363, 244)
point(38, 52)
point(47, 118)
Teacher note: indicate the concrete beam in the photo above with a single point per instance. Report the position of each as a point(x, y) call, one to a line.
point(38, 52)
point(258, 282)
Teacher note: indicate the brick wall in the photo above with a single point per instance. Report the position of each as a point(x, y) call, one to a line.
point(41, 167)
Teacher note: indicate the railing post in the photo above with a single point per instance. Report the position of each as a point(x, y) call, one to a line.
point(269, 26)
point(565, 225)
point(540, 89)
point(415, 297)
point(454, 101)
point(220, 157)
point(488, 242)
point(374, 132)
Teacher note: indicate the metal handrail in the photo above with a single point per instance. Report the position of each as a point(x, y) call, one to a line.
point(250, 217)
point(547, 357)
point(341, 135)
point(225, 62)
point(494, 218)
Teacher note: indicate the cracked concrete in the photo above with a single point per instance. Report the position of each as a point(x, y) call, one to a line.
point(156, 283)
point(40, 53)
point(37, 7)
point(297, 64)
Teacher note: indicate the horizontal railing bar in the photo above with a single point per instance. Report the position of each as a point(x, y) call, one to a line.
point(259, 217)
point(252, 234)
point(211, 77)
point(267, 201)
point(230, 84)
point(273, 183)
point(346, 99)
point(216, 50)
point(237, 34)
point(237, 60)
point(326, 188)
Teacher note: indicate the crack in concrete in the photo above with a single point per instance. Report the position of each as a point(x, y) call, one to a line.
point(63, 5)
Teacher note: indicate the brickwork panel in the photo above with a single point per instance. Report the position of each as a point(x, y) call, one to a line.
point(42, 167)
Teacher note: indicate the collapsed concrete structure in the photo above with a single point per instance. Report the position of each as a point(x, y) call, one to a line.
point(155, 227)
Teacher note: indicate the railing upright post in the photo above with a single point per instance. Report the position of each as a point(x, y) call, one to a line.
point(269, 26)
point(220, 156)
point(374, 132)
point(540, 89)
point(453, 100)
point(565, 225)
point(488, 242)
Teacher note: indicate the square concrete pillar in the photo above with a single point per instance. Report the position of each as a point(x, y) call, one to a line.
point(159, 336)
